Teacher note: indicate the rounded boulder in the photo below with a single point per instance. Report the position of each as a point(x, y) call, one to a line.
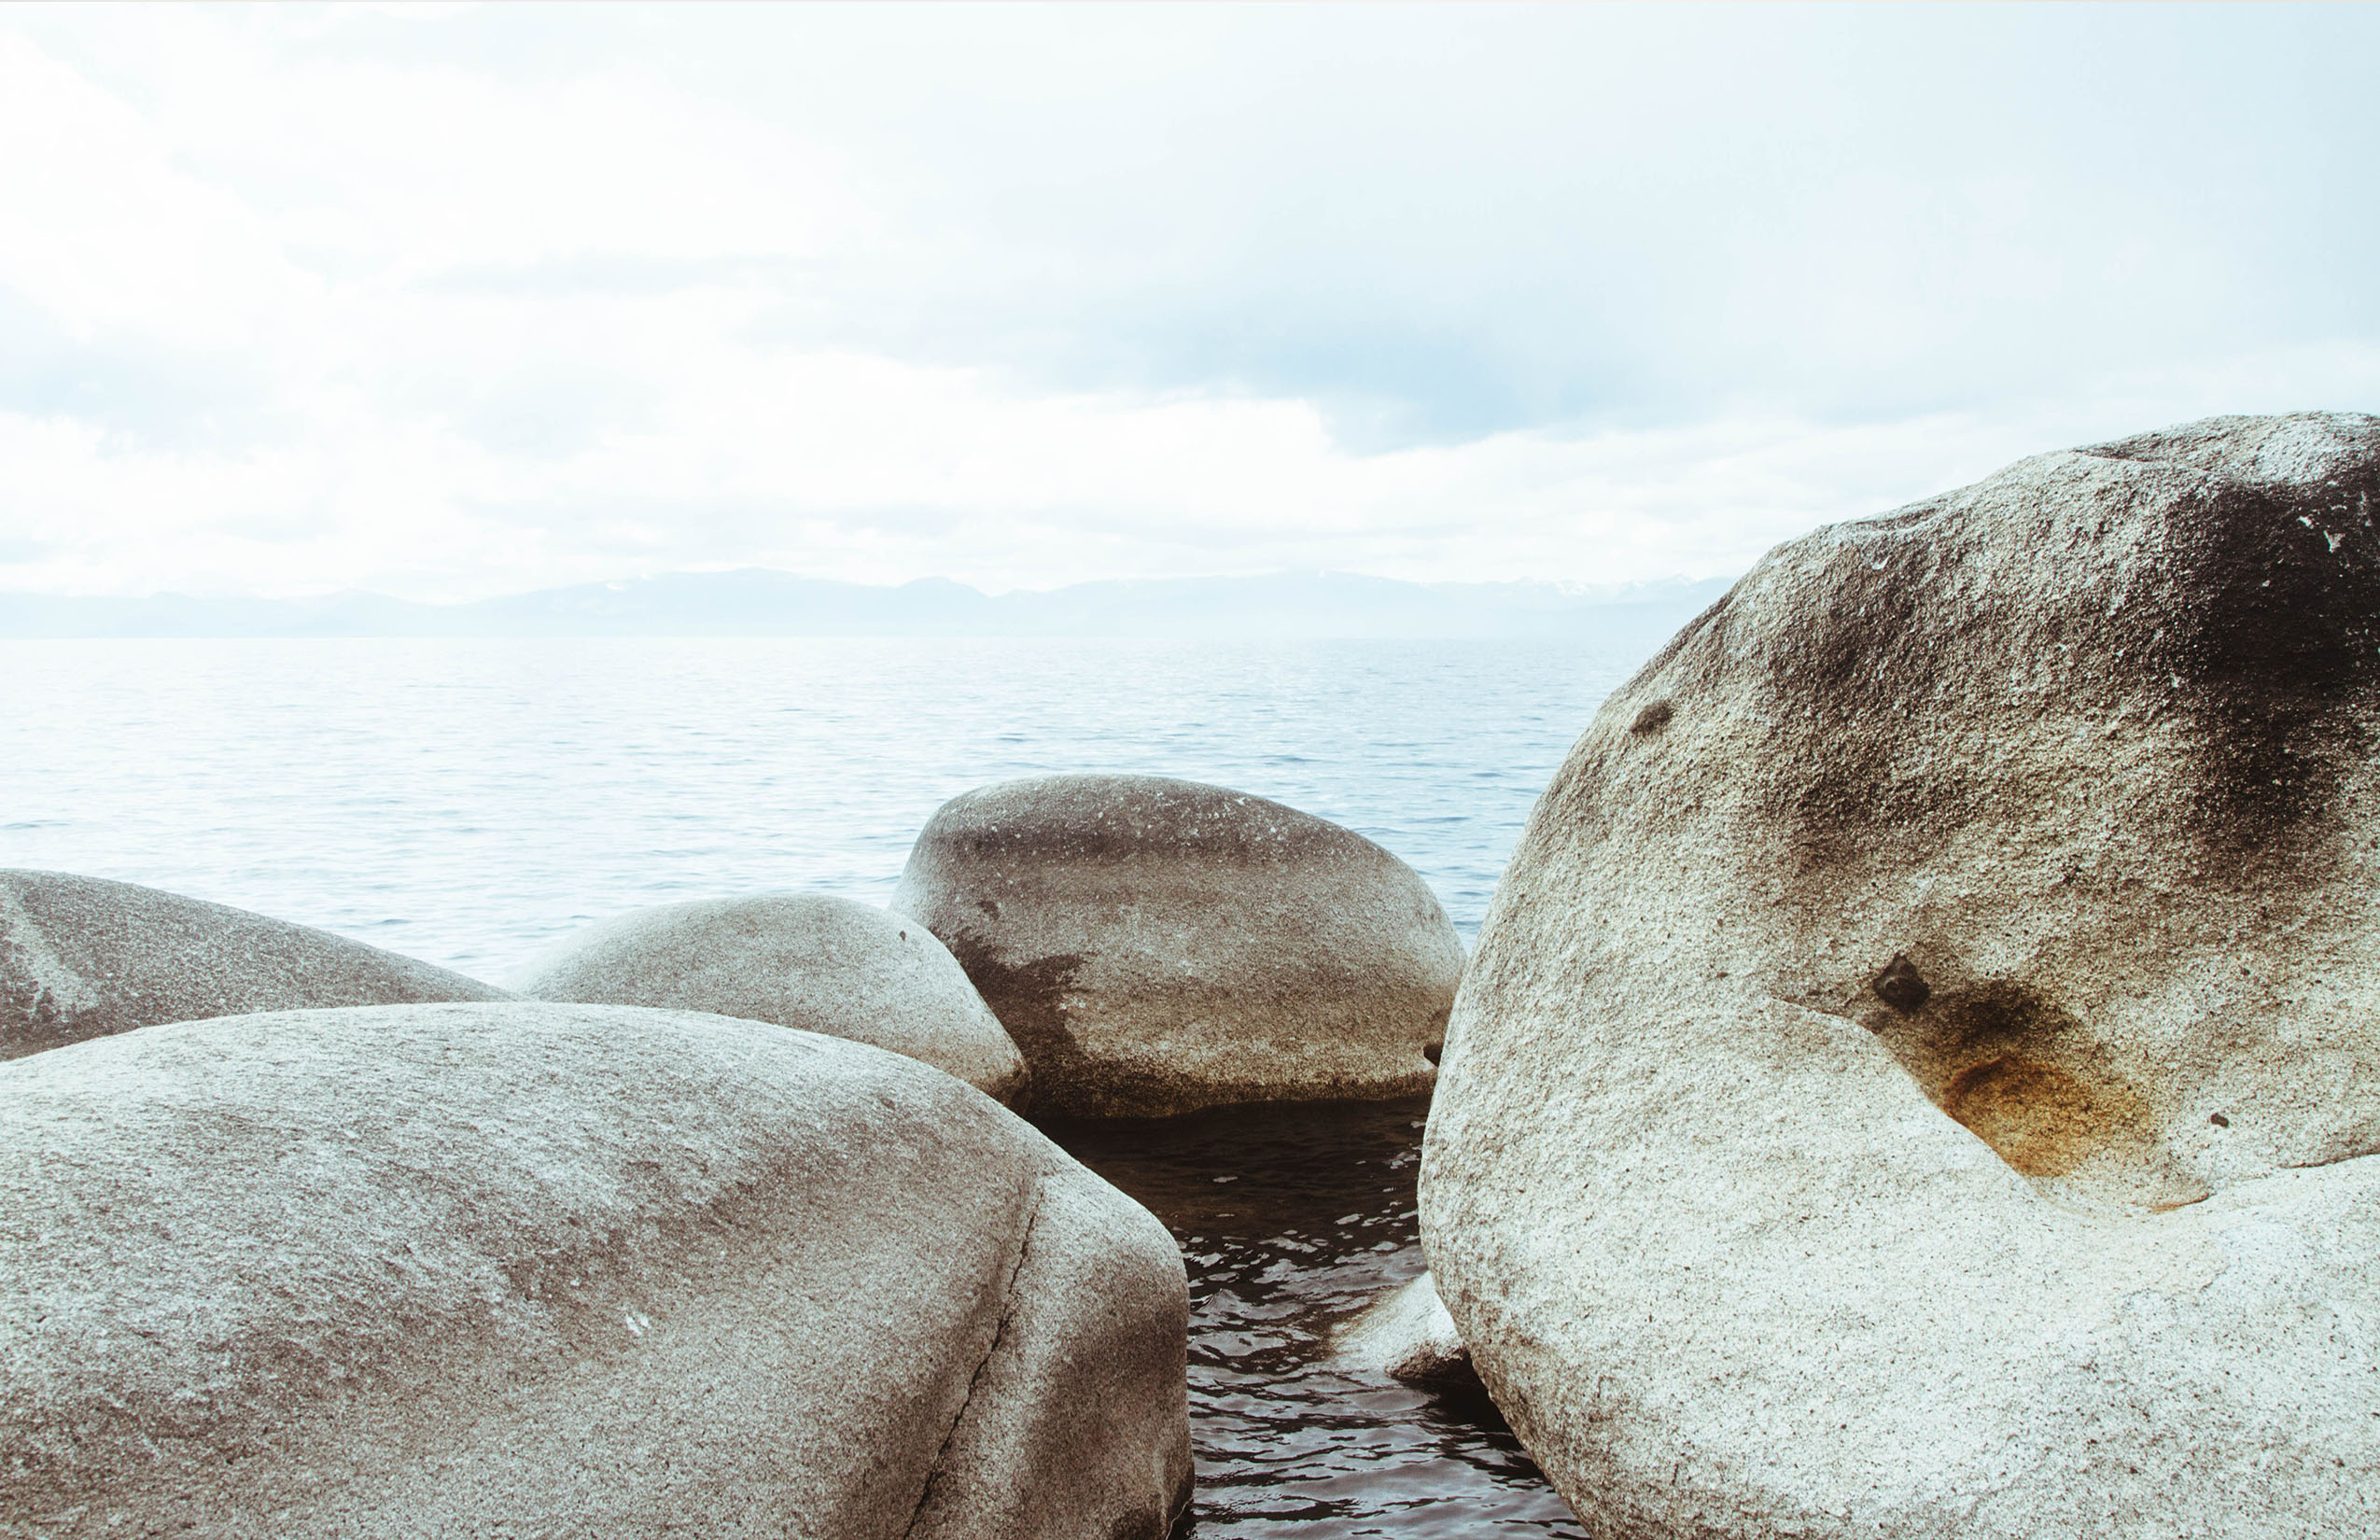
point(565, 1269)
point(799, 960)
point(83, 957)
point(1919, 1074)
point(1159, 945)
point(1407, 1336)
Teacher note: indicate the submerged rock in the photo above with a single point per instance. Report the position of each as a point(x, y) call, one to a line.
point(799, 960)
point(83, 957)
point(1921, 1073)
point(1159, 945)
point(1408, 1336)
point(536, 1268)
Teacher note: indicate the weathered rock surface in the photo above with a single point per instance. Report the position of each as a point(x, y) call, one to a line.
point(565, 1269)
point(799, 960)
point(1919, 1074)
point(1408, 1336)
point(1158, 946)
point(83, 957)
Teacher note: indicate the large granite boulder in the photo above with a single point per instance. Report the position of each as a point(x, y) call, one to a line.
point(565, 1269)
point(800, 960)
point(1921, 1071)
point(83, 957)
point(1158, 946)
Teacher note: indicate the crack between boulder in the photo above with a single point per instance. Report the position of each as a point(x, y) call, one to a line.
point(1000, 1334)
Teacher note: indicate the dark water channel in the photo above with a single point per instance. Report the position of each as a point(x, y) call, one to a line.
point(1292, 1218)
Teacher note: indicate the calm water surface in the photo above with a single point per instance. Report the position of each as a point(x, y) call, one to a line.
point(471, 801)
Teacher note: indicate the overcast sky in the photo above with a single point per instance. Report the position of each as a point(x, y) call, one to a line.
point(447, 303)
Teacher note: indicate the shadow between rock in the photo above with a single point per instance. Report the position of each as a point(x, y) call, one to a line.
point(1292, 1217)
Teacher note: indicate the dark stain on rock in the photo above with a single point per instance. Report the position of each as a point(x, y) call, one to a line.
point(1851, 779)
point(2018, 1071)
point(1982, 1021)
point(2256, 619)
point(1037, 1000)
point(1652, 719)
point(1028, 996)
point(2218, 1120)
point(2279, 633)
point(1843, 812)
point(1901, 986)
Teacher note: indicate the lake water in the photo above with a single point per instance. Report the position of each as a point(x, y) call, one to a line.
point(469, 802)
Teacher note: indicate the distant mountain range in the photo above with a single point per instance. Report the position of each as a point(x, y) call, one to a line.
point(755, 602)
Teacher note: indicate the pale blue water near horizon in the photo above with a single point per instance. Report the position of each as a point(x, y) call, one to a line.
point(472, 801)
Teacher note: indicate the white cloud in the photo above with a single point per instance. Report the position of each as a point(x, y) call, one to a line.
point(106, 234)
point(465, 303)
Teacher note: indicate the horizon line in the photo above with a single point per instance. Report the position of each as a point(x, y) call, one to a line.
point(1566, 587)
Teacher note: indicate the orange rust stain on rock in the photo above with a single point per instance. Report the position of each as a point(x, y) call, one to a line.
point(2038, 1118)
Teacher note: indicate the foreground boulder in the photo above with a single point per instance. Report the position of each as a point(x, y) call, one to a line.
point(83, 957)
point(1921, 1073)
point(799, 960)
point(1158, 946)
point(1407, 1336)
point(594, 1270)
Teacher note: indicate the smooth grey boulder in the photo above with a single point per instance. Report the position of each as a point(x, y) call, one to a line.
point(1920, 1073)
point(799, 960)
point(1407, 1336)
point(83, 957)
point(565, 1269)
point(1159, 945)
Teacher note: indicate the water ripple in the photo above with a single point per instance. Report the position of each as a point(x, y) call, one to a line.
point(1314, 1218)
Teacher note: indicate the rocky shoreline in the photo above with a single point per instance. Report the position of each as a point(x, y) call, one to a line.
point(1914, 1079)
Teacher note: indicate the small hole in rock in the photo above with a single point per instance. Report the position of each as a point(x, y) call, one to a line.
point(2218, 1120)
point(1652, 719)
point(1899, 986)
